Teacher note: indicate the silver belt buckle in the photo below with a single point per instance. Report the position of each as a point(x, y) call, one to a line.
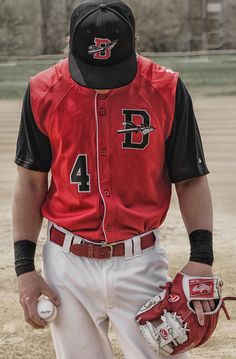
point(111, 249)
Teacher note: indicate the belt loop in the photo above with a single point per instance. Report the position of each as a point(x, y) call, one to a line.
point(128, 249)
point(156, 232)
point(67, 242)
point(50, 224)
point(137, 246)
point(77, 239)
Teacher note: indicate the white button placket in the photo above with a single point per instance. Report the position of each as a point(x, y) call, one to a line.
point(98, 167)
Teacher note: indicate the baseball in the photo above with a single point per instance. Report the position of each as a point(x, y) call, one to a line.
point(46, 309)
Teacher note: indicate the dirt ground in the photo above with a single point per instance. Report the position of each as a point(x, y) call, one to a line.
point(216, 117)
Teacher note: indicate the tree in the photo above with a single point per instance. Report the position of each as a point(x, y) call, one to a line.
point(46, 8)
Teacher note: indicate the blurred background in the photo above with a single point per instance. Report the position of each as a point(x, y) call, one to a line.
point(195, 37)
point(30, 27)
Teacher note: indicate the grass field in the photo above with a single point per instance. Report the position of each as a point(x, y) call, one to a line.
point(211, 75)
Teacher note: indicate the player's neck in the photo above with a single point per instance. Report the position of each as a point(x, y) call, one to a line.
point(102, 92)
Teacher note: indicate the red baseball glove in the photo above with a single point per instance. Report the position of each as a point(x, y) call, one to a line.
point(168, 321)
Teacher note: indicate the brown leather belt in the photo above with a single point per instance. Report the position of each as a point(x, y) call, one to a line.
point(99, 250)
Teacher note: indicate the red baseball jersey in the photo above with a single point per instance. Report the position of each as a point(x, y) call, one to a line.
point(108, 153)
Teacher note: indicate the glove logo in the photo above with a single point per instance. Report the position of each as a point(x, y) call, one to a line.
point(164, 333)
point(173, 298)
point(200, 287)
point(102, 48)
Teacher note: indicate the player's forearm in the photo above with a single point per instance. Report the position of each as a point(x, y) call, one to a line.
point(195, 204)
point(27, 200)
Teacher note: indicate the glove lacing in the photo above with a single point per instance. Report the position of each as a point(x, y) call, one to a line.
point(223, 306)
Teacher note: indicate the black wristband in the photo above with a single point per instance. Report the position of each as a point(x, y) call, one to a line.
point(24, 256)
point(201, 246)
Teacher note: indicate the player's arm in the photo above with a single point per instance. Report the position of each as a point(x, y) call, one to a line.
point(187, 169)
point(33, 157)
point(196, 209)
point(29, 193)
point(195, 203)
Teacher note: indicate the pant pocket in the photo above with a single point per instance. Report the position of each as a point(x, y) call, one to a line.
point(53, 263)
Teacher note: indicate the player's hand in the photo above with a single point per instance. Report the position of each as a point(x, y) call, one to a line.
point(202, 270)
point(31, 286)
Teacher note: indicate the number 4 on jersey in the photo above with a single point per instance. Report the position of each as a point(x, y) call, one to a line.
point(79, 174)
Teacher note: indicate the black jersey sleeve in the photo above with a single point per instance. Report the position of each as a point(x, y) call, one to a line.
point(33, 149)
point(184, 151)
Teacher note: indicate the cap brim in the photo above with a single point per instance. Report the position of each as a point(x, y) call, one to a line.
point(103, 77)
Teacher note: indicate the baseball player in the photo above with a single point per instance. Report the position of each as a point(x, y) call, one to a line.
point(114, 131)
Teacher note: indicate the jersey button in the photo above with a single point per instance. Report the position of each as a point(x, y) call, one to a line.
point(109, 228)
point(102, 96)
point(104, 152)
point(107, 193)
point(102, 111)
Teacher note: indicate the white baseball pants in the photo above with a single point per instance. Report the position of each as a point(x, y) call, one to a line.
point(94, 292)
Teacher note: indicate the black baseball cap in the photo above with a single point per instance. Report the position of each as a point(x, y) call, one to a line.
point(102, 44)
